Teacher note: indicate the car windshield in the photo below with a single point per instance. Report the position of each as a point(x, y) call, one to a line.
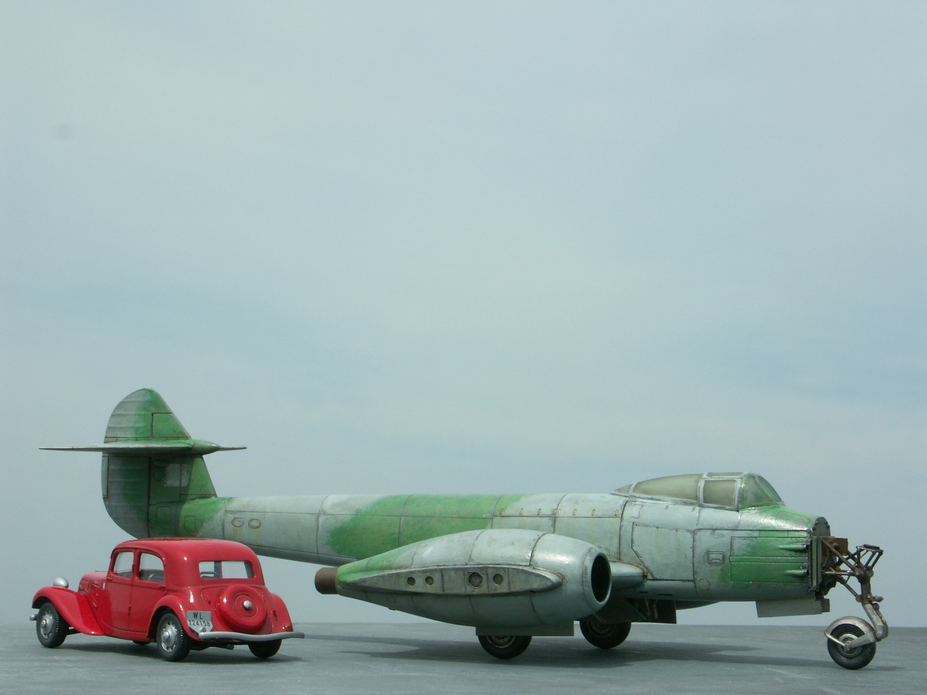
point(226, 569)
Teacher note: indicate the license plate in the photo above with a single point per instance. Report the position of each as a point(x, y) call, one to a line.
point(199, 621)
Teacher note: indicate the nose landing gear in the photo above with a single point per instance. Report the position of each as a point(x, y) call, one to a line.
point(851, 641)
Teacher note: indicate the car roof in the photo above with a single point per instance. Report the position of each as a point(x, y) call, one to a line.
point(178, 549)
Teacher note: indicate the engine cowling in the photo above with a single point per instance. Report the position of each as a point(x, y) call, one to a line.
point(491, 578)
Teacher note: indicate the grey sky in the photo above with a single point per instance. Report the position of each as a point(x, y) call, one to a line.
point(475, 247)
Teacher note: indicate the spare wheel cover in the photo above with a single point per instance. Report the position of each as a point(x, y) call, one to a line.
point(242, 607)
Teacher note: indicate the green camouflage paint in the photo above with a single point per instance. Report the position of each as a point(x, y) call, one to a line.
point(370, 530)
point(402, 519)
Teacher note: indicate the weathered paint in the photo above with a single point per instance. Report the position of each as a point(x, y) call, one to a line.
point(522, 579)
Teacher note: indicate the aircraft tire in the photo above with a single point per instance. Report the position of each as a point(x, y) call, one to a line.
point(854, 657)
point(265, 650)
point(604, 635)
point(173, 642)
point(50, 627)
point(504, 646)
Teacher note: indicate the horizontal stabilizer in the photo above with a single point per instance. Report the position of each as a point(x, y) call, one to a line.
point(182, 447)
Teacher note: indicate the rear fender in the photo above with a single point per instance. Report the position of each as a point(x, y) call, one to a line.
point(283, 623)
point(171, 604)
point(72, 606)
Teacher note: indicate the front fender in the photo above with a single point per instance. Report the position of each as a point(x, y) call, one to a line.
point(72, 606)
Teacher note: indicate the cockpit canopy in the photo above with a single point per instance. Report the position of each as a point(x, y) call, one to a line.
point(733, 491)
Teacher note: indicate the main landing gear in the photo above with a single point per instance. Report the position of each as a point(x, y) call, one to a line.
point(504, 646)
point(596, 631)
point(604, 635)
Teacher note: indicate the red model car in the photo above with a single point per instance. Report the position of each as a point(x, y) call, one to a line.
point(180, 593)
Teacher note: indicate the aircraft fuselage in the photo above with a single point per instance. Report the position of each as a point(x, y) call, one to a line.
point(689, 552)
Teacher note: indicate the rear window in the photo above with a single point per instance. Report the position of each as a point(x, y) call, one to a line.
point(226, 569)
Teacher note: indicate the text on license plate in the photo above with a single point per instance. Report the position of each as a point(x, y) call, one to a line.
point(199, 621)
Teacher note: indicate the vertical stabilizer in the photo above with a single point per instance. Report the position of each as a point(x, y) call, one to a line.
point(143, 416)
point(151, 467)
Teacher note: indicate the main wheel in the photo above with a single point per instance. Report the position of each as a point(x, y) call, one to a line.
point(50, 627)
point(265, 650)
point(173, 642)
point(604, 635)
point(504, 646)
point(850, 657)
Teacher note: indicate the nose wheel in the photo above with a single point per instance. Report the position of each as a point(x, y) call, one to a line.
point(840, 645)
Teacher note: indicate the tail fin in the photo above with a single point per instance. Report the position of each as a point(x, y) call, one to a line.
point(151, 466)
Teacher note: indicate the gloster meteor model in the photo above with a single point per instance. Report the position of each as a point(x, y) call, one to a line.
point(512, 566)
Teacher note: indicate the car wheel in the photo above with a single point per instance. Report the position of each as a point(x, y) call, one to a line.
point(265, 650)
point(604, 635)
point(50, 627)
point(504, 646)
point(173, 642)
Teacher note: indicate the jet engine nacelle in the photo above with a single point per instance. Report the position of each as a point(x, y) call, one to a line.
point(492, 578)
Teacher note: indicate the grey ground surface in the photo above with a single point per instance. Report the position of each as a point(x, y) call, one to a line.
point(435, 658)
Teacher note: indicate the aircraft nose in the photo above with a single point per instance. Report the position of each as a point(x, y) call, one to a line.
point(821, 527)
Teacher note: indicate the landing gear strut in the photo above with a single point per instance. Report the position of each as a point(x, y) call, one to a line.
point(851, 641)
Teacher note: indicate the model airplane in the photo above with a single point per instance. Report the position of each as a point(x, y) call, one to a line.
point(512, 566)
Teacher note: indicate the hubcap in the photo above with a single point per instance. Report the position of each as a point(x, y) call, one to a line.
point(46, 625)
point(849, 651)
point(169, 637)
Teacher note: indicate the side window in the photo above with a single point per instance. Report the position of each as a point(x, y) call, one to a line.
point(122, 564)
point(150, 568)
